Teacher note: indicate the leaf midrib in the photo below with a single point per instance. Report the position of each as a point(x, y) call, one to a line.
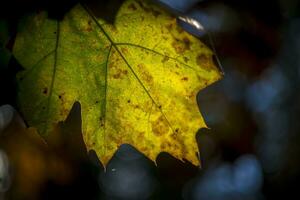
point(53, 76)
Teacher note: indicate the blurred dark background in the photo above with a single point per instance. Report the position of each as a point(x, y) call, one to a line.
point(251, 150)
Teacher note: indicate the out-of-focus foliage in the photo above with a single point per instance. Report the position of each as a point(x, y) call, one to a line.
point(35, 164)
point(4, 37)
point(4, 173)
point(136, 80)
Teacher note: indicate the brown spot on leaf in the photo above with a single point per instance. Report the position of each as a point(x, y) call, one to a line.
point(140, 136)
point(132, 7)
point(101, 122)
point(45, 91)
point(185, 79)
point(136, 106)
point(143, 6)
point(163, 146)
point(191, 95)
point(114, 29)
point(61, 96)
point(178, 48)
point(169, 145)
point(120, 74)
point(165, 59)
point(155, 13)
point(181, 46)
point(145, 75)
point(187, 43)
point(179, 29)
point(112, 65)
point(185, 59)
point(89, 26)
point(89, 29)
point(166, 145)
point(160, 126)
point(169, 27)
point(141, 66)
point(117, 76)
point(124, 50)
point(204, 61)
point(64, 111)
point(174, 135)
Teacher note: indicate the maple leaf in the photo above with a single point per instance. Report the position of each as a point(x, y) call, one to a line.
point(136, 80)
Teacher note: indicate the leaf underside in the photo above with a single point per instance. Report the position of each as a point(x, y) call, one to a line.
point(136, 80)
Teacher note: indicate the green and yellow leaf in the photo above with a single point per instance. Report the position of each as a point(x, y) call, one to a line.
point(136, 80)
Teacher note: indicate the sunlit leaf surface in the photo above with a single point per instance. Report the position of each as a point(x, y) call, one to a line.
point(136, 80)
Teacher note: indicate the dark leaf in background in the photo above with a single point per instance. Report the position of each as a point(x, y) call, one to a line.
point(45, 170)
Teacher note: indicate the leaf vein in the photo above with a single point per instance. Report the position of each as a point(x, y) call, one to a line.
point(36, 65)
point(105, 96)
point(126, 62)
point(53, 76)
point(156, 52)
